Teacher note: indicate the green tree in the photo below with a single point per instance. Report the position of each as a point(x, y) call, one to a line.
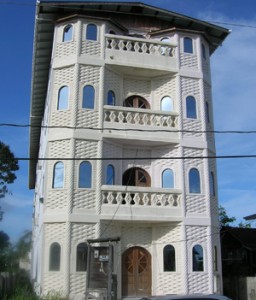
point(8, 166)
point(4, 250)
point(224, 219)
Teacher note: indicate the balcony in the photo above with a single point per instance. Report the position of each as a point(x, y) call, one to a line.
point(130, 53)
point(142, 124)
point(141, 203)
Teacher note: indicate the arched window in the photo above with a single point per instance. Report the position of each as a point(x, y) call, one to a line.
point(191, 107)
point(54, 263)
point(212, 184)
point(58, 175)
point(91, 32)
point(194, 181)
point(136, 102)
point(169, 258)
point(85, 175)
point(88, 97)
point(198, 258)
point(207, 113)
point(188, 45)
point(215, 259)
point(67, 33)
point(167, 104)
point(110, 176)
point(111, 98)
point(203, 51)
point(164, 49)
point(167, 179)
point(63, 98)
point(81, 257)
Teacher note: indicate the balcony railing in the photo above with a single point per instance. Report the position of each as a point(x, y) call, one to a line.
point(145, 117)
point(146, 46)
point(140, 196)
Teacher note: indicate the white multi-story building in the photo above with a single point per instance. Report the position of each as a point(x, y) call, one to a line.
point(121, 128)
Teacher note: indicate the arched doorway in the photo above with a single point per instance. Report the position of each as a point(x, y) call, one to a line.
point(136, 102)
point(136, 272)
point(136, 177)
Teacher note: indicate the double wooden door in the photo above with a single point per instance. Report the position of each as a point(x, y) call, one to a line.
point(136, 272)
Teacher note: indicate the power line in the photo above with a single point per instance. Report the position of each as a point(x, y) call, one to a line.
point(127, 129)
point(63, 6)
point(129, 158)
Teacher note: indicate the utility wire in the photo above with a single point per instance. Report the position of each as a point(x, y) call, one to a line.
point(128, 158)
point(127, 129)
point(176, 17)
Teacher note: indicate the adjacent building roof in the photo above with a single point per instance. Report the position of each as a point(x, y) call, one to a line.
point(48, 12)
point(246, 236)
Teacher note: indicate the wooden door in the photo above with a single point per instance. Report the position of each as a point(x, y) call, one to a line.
point(136, 102)
point(136, 272)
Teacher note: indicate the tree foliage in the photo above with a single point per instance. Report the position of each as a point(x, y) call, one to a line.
point(8, 166)
point(224, 219)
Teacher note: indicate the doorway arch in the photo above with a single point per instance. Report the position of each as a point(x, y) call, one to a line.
point(136, 272)
point(136, 177)
point(136, 101)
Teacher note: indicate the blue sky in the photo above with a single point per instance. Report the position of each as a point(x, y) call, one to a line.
point(234, 89)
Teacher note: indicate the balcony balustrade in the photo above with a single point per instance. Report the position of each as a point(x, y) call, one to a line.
point(138, 52)
point(131, 44)
point(144, 201)
point(136, 116)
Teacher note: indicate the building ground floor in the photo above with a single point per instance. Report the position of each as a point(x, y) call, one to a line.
point(149, 259)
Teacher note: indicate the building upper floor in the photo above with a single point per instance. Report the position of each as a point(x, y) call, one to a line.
point(131, 37)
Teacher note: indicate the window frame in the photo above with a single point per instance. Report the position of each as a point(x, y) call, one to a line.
point(191, 183)
point(188, 48)
point(167, 268)
point(91, 102)
point(64, 39)
point(201, 268)
point(171, 104)
point(84, 180)
point(113, 175)
point(162, 177)
point(54, 264)
point(59, 99)
point(54, 176)
point(113, 98)
point(191, 111)
point(81, 263)
point(87, 33)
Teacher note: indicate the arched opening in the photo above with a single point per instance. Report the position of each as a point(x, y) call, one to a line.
point(136, 101)
point(136, 177)
point(136, 272)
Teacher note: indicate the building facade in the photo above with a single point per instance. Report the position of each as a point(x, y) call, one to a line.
point(121, 128)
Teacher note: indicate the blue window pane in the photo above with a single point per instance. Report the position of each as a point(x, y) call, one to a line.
point(188, 45)
point(111, 98)
point(58, 175)
point(194, 181)
point(167, 179)
point(212, 184)
point(167, 104)
point(110, 180)
point(198, 258)
point(88, 97)
point(54, 264)
point(67, 34)
point(191, 107)
point(85, 175)
point(91, 32)
point(169, 258)
point(63, 98)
